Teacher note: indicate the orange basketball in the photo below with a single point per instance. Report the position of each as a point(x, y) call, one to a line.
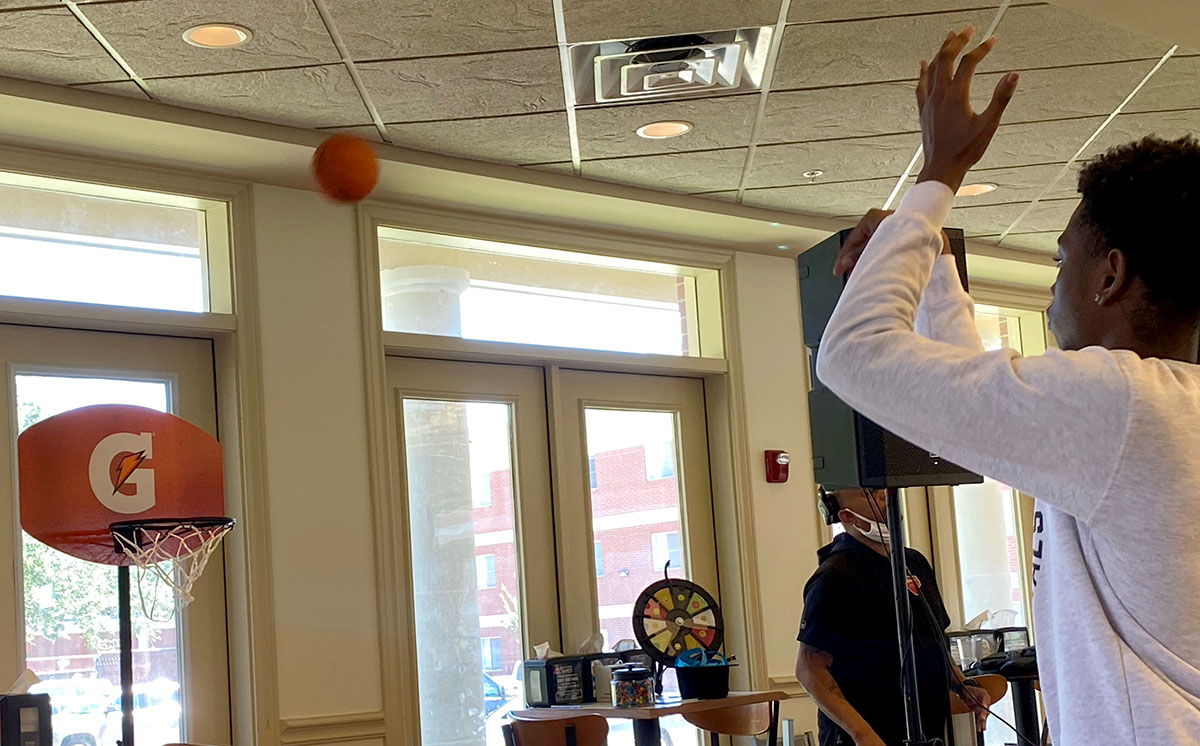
point(346, 168)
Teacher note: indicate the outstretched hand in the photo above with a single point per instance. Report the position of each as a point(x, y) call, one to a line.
point(954, 136)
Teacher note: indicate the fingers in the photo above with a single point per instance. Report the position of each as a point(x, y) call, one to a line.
point(943, 62)
point(923, 86)
point(856, 240)
point(1000, 98)
point(971, 60)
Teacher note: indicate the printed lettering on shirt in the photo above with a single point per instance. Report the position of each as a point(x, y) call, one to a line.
point(1037, 545)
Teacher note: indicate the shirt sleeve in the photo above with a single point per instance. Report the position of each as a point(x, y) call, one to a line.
point(832, 614)
point(1053, 425)
point(946, 313)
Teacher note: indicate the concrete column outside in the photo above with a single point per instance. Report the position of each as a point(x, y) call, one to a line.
point(425, 300)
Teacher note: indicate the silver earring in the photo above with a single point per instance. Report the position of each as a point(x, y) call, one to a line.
point(1097, 298)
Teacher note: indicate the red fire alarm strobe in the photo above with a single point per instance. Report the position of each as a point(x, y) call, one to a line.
point(777, 466)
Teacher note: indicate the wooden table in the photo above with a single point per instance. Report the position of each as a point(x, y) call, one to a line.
point(646, 731)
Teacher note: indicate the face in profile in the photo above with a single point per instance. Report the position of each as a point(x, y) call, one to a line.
point(1073, 310)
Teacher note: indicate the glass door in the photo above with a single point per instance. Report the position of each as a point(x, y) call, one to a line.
point(634, 485)
point(480, 540)
point(65, 626)
point(499, 565)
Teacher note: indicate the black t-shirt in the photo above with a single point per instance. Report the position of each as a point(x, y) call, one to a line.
point(849, 614)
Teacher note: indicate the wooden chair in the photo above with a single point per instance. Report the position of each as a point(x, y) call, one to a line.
point(576, 730)
point(745, 720)
point(995, 685)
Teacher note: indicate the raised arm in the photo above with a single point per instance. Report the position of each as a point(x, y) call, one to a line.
point(1016, 419)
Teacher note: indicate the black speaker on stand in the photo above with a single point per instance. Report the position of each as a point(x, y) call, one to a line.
point(850, 450)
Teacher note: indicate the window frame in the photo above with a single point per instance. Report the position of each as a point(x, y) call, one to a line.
point(253, 680)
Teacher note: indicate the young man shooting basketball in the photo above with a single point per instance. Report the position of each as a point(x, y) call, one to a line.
point(1105, 431)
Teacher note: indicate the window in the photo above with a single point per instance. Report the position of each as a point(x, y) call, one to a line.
point(485, 570)
point(491, 291)
point(592, 471)
point(481, 490)
point(660, 460)
point(991, 544)
point(599, 553)
point(664, 547)
point(88, 243)
point(493, 657)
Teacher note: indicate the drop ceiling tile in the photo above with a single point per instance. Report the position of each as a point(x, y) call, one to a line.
point(1059, 93)
point(882, 108)
point(7, 5)
point(846, 111)
point(1046, 35)
point(1036, 143)
point(988, 220)
point(51, 45)
point(530, 138)
point(491, 84)
point(810, 11)
point(723, 122)
point(1021, 184)
point(709, 170)
point(310, 96)
point(831, 54)
point(149, 35)
point(1175, 86)
point(126, 88)
point(1129, 127)
point(1045, 242)
point(828, 199)
point(841, 160)
point(416, 28)
point(597, 20)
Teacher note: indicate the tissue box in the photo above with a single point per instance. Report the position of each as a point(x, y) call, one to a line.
point(25, 720)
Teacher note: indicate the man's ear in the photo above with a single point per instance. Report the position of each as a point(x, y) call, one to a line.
point(1115, 279)
point(846, 517)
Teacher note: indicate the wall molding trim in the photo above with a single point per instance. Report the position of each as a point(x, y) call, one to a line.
point(351, 726)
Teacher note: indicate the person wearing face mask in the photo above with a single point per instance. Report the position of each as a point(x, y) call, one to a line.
point(849, 659)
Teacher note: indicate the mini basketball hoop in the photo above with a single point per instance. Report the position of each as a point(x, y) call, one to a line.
point(174, 550)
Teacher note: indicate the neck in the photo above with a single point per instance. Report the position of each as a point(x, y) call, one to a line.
point(1181, 344)
point(874, 546)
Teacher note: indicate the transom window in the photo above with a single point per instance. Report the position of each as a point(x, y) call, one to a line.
point(72, 241)
point(498, 292)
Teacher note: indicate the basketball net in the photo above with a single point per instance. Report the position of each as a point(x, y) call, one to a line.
point(175, 555)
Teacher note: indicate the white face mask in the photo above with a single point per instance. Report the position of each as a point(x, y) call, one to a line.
point(875, 532)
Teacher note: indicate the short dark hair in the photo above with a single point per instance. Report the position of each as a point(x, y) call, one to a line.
point(1144, 199)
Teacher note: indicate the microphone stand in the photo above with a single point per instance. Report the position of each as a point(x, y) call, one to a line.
point(908, 672)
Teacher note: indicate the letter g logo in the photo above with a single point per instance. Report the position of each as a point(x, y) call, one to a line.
point(108, 474)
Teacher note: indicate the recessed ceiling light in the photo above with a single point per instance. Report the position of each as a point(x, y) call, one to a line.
point(813, 174)
point(783, 247)
point(217, 35)
point(974, 190)
point(663, 130)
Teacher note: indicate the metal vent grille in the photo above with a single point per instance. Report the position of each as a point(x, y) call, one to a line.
point(672, 67)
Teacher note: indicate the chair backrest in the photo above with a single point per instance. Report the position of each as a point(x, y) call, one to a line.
point(744, 720)
point(578, 730)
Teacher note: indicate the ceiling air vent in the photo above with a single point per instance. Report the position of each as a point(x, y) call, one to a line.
point(669, 67)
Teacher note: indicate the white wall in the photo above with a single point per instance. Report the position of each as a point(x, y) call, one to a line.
point(776, 408)
point(316, 444)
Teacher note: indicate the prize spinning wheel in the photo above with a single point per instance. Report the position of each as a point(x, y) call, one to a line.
point(673, 616)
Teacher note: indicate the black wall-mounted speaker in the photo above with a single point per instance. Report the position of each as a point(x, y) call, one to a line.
point(850, 450)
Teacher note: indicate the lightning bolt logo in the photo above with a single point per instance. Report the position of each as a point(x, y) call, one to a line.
point(127, 467)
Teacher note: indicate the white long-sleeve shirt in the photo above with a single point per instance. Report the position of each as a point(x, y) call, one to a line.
point(1108, 442)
